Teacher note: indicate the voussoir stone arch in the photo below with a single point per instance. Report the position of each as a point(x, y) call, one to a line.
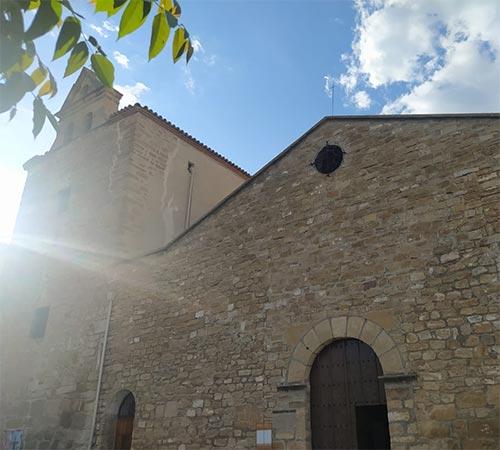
point(324, 332)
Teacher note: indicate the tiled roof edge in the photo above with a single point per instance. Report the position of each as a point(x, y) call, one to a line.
point(432, 116)
point(181, 133)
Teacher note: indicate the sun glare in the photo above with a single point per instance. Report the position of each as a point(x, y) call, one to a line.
point(11, 189)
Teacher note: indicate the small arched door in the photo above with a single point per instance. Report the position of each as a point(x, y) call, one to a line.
point(125, 423)
point(348, 404)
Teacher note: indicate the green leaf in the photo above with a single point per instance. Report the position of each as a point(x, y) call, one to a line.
point(46, 17)
point(103, 5)
point(77, 59)
point(133, 17)
point(146, 8)
point(110, 7)
point(21, 65)
point(14, 89)
point(68, 36)
point(176, 11)
point(38, 75)
point(68, 6)
point(11, 20)
point(179, 44)
point(34, 4)
point(53, 121)
point(23, 4)
point(39, 114)
point(45, 89)
point(166, 5)
point(103, 68)
point(53, 85)
point(118, 3)
point(30, 48)
point(11, 52)
point(159, 35)
point(190, 51)
point(171, 19)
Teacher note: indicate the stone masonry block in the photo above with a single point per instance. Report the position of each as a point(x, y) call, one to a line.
point(311, 341)
point(302, 354)
point(171, 409)
point(296, 372)
point(324, 331)
point(370, 331)
point(354, 326)
point(339, 325)
point(382, 343)
point(391, 362)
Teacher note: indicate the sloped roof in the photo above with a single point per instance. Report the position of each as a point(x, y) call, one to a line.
point(179, 132)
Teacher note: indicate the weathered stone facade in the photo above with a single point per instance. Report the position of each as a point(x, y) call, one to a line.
point(215, 333)
point(124, 185)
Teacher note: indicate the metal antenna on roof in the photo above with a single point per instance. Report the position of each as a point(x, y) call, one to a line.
point(333, 96)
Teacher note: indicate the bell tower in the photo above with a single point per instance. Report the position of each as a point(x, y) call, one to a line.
point(71, 199)
point(88, 105)
point(117, 183)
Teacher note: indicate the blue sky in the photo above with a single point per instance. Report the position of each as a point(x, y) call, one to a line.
point(262, 69)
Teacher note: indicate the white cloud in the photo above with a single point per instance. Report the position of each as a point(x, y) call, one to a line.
point(131, 94)
point(468, 81)
point(100, 30)
point(445, 54)
point(362, 100)
point(200, 54)
point(110, 26)
point(210, 60)
point(197, 45)
point(189, 81)
point(121, 59)
point(328, 86)
point(105, 29)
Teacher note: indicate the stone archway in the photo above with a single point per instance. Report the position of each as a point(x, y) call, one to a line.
point(296, 382)
point(338, 328)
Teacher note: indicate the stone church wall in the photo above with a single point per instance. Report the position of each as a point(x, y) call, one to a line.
point(48, 384)
point(114, 182)
point(214, 335)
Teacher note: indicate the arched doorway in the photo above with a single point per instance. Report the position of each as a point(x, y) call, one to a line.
point(125, 423)
point(348, 404)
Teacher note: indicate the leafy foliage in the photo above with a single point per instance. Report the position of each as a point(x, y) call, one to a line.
point(77, 59)
point(68, 36)
point(103, 68)
point(19, 56)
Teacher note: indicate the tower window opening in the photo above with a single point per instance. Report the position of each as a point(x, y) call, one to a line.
point(88, 121)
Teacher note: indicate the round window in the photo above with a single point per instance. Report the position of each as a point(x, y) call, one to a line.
point(329, 159)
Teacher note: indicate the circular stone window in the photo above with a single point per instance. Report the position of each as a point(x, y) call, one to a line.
point(329, 159)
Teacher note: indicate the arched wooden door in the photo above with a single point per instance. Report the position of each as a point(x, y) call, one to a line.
point(125, 423)
point(348, 404)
